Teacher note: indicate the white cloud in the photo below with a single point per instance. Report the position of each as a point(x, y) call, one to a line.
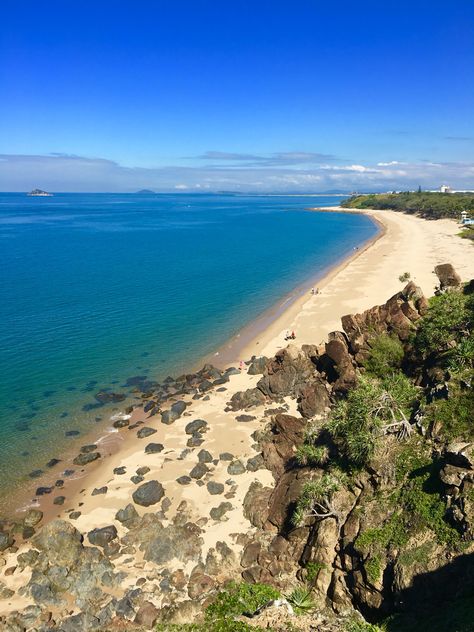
point(77, 173)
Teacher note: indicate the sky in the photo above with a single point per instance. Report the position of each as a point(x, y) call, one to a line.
point(247, 95)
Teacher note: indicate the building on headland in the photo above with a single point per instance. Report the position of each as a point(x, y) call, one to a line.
point(445, 188)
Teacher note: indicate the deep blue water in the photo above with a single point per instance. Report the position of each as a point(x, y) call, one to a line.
point(96, 288)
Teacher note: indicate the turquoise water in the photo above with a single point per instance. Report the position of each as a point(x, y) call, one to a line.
point(96, 288)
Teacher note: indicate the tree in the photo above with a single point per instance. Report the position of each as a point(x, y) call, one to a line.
point(316, 499)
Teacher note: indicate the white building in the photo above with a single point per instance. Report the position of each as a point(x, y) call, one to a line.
point(444, 188)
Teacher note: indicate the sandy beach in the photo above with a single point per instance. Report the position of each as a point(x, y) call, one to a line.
point(369, 277)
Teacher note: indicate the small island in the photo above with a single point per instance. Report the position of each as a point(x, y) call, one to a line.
point(145, 192)
point(39, 193)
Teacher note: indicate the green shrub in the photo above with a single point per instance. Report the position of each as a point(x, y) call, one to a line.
point(373, 568)
point(315, 498)
point(240, 598)
point(446, 320)
point(454, 416)
point(308, 454)
point(358, 422)
point(403, 278)
point(301, 600)
point(386, 355)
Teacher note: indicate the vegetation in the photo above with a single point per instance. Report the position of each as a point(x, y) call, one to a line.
point(403, 278)
point(308, 454)
point(427, 204)
point(240, 599)
point(301, 600)
point(386, 355)
point(361, 626)
point(223, 625)
point(448, 320)
point(373, 408)
point(467, 233)
point(315, 500)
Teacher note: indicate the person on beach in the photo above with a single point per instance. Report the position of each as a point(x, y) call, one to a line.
point(241, 365)
point(293, 335)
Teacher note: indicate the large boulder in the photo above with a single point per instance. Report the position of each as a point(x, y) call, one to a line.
point(148, 494)
point(447, 275)
point(60, 542)
point(280, 444)
point(250, 398)
point(287, 373)
point(102, 536)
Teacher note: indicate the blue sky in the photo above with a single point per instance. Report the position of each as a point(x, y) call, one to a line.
point(305, 96)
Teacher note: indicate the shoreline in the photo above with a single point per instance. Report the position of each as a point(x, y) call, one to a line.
point(290, 313)
point(240, 346)
point(368, 278)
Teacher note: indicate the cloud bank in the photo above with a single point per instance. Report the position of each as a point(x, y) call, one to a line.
point(295, 172)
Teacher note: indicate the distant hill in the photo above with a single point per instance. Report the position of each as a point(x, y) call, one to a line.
point(145, 192)
point(39, 193)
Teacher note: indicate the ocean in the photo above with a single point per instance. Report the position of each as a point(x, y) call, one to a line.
point(98, 288)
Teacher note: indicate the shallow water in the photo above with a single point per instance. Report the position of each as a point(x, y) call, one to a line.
point(96, 288)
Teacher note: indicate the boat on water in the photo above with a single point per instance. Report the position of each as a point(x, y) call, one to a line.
point(39, 193)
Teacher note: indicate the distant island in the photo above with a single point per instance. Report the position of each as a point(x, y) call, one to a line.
point(39, 193)
point(145, 191)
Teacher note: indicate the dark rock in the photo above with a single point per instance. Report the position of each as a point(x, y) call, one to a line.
point(200, 584)
point(35, 473)
point(32, 517)
point(198, 425)
point(204, 386)
point(59, 500)
point(84, 459)
point(104, 397)
point(184, 480)
point(313, 399)
point(245, 418)
point(121, 423)
point(127, 515)
point(204, 456)
point(226, 456)
point(99, 490)
point(287, 373)
point(119, 471)
point(169, 416)
point(215, 488)
point(68, 472)
point(255, 463)
point(74, 515)
point(148, 494)
point(179, 407)
point(102, 536)
point(199, 471)
point(154, 448)
point(236, 467)
point(195, 440)
point(59, 483)
point(147, 615)
point(145, 432)
point(53, 462)
point(91, 447)
point(218, 513)
point(447, 275)
point(41, 491)
point(5, 540)
point(72, 433)
point(286, 434)
point(141, 471)
point(256, 504)
point(247, 399)
point(137, 479)
point(232, 371)
point(257, 366)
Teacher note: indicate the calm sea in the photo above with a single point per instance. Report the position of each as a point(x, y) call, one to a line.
point(96, 288)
